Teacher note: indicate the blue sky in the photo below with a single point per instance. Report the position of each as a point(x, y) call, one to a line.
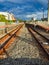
point(25, 9)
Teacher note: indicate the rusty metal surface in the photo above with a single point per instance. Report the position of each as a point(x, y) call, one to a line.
point(8, 39)
point(38, 37)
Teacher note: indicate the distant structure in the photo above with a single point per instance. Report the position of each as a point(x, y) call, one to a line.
point(45, 19)
point(34, 19)
point(8, 16)
point(48, 11)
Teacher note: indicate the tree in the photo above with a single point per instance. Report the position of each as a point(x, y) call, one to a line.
point(2, 18)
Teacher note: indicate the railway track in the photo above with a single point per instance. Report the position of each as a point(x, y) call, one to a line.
point(41, 39)
point(7, 40)
point(40, 34)
point(46, 29)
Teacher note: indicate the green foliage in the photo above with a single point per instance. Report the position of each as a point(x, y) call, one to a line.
point(20, 20)
point(24, 21)
point(2, 18)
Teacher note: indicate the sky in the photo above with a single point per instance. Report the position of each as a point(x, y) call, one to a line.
point(25, 9)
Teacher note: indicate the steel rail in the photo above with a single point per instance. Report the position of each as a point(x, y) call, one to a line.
point(39, 42)
point(3, 44)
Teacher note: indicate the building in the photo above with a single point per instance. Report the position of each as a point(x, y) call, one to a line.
point(8, 16)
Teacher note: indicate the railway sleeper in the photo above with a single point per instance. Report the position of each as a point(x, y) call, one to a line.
point(40, 43)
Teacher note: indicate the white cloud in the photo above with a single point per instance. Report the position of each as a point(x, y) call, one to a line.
point(43, 2)
point(2, 0)
point(16, 1)
point(16, 10)
point(20, 9)
point(38, 15)
point(31, 15)
point(23, 1)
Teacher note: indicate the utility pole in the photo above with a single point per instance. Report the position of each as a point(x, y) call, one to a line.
point(48, 11)
point(6, 27)
point(43, 13)
point(6, 23)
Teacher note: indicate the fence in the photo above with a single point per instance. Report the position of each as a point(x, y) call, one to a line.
point(7, 28)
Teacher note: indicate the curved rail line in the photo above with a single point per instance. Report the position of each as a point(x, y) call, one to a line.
point(5, 41)
point(42, 44)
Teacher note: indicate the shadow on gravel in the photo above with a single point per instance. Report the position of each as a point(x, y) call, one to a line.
point(23, 61)
point(24, 39)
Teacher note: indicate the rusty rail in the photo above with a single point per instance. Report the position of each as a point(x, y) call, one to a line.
point(43, 28)
point(43, 46)
point(2, 47)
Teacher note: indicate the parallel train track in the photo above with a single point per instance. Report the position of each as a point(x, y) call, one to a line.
point(40, 38)
point(6, 41)
point(46, 29)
